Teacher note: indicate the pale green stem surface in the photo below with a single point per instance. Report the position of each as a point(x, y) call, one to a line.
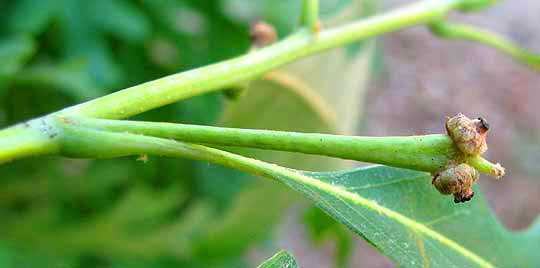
point(32, 138)
point(484, 166)
point(19, 142)
point(425, 153)
point(467, 32)
point(310, 14)
point(474, 5)
point(83, 142)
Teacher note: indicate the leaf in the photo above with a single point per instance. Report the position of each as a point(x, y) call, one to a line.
point(139, 224)
point(5, 256)
point(402, 215)
point(125, 20)
point(201, 35)
point(68, 77)
point(340, 75)
point(249, 218)
point(293, 107)
point(87, 49)
point(14, 52)
point(282, 259)
point(341, 79)
point(31, 16)
point(321, 226)
point(296, 105)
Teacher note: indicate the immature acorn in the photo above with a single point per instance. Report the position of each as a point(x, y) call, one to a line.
point(469, 135)
point(457, 180)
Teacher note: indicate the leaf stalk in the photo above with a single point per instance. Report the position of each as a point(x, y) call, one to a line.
point(425, 153)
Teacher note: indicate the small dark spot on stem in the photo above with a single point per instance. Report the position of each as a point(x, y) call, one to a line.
point(65, 120)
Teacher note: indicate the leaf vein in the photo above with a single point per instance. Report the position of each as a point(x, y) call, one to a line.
point(368, 186)
point(402, 219)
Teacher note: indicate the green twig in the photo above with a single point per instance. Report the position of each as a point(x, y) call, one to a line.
point(18, 142)
point(484, 166)
point(461, 31)
point(473, 5)
point(82, 142)
point(32, 138)
point(85, 142)
point(150, 95)
point(426, 153)
point(310, 14)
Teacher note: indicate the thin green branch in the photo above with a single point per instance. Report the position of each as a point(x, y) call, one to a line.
point(426, 153)
point(310, 15)
point(138, 99)
point(99, 143)
point(82, 142)
point(474, 5)
point(32, 138)
point(150, 95)
point(446, 29)
point(484, 166)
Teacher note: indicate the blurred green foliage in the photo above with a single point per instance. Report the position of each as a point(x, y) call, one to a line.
point(162, 212)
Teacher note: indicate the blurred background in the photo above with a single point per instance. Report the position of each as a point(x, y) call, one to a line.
point(57, 212)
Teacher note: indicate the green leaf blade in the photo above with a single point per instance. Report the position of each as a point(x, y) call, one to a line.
point(398, 212)
point(282, 259)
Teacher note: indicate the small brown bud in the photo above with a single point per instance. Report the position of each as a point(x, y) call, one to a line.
point(457, 180)
point(262, 34)
point(317, 27)
point(498, 171)
point(469, 135)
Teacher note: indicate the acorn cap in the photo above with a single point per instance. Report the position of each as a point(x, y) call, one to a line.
point(457, 180)
point(469, 135)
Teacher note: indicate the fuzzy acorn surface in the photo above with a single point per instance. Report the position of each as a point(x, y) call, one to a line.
point(457, 180)
point(469, 135)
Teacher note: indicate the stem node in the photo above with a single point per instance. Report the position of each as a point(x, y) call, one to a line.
point(310, 15)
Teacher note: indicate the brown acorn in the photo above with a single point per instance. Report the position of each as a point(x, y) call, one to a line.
point(469, 135)
point(457, 180)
